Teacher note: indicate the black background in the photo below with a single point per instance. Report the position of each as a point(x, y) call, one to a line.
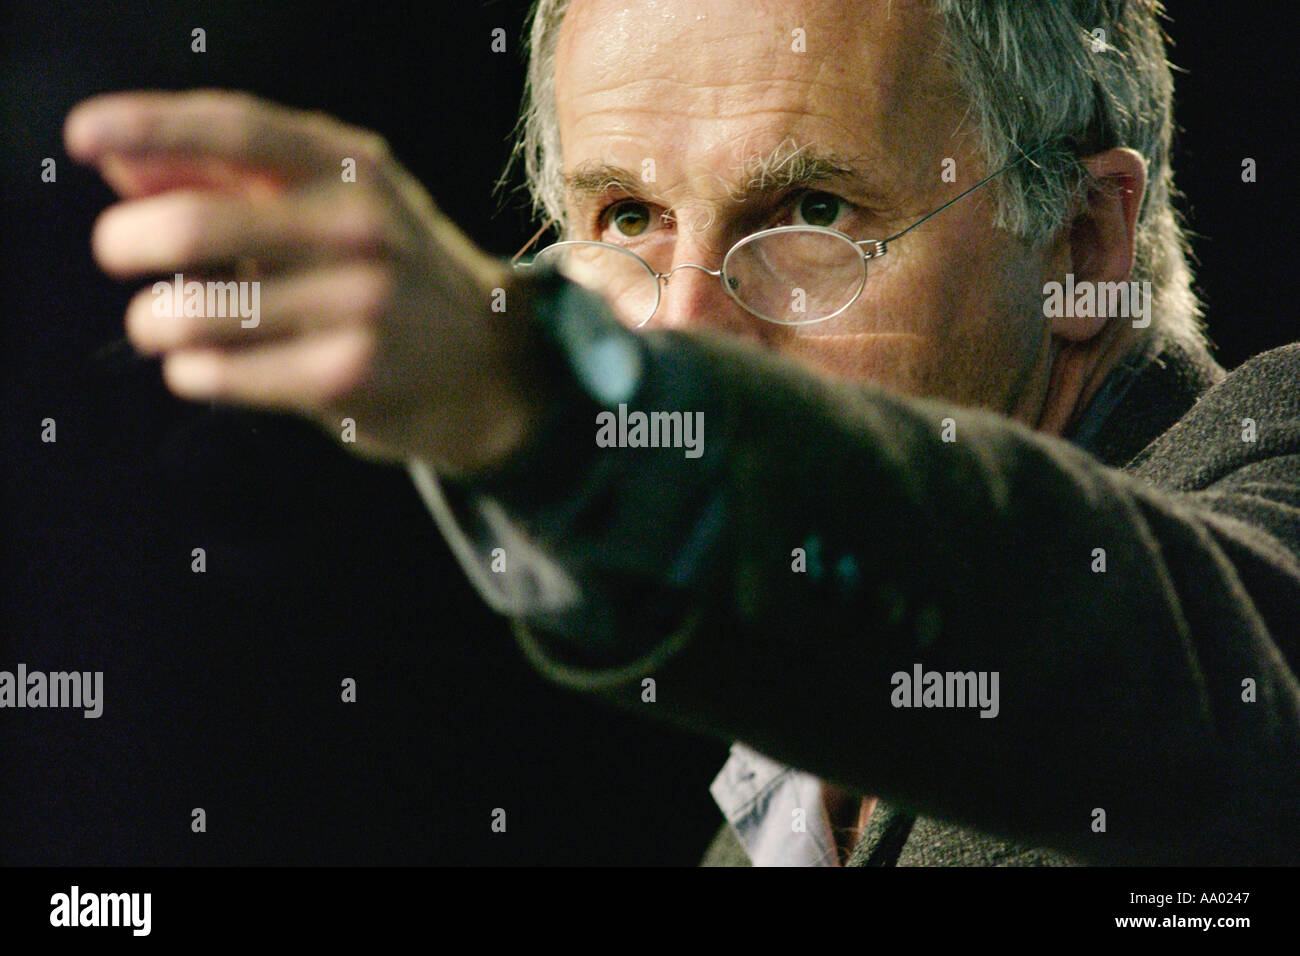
point(222, 689)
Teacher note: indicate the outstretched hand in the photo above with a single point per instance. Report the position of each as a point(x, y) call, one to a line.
point(371, 304)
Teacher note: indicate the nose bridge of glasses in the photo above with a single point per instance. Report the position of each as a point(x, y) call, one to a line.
point(702, 300)
point(688, 265)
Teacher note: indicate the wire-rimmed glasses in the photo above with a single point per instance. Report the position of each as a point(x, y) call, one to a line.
point(788, 275)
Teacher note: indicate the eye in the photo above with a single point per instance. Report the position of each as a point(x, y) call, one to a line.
point(629, 217)
point(819, 209)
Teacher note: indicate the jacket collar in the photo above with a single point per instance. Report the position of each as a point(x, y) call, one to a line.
point(1145, 395)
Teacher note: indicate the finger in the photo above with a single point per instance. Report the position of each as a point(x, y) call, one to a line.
point(235, 127)
point(302, 374)
point(199, 231)
point(133, 177)
point(251, 313)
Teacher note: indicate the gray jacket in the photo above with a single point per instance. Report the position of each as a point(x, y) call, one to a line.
point(1160, 395)
point(1158, 690)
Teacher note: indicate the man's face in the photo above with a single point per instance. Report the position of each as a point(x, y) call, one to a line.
point(705, 89)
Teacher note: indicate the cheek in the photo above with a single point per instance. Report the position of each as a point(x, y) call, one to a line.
point(904, 330)
point(962, 329)
point(894, 359)
point(987, 348)
point(892, 336)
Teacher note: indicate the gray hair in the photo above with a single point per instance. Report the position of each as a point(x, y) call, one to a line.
point(1074, 76)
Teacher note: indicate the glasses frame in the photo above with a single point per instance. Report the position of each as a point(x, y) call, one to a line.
point(878, 248)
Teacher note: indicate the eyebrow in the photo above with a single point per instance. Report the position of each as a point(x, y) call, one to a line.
point(787, 167)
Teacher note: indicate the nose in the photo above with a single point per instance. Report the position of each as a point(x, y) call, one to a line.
point(692, 299)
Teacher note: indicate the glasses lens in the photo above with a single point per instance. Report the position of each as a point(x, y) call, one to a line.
point(624, 279)
point(793, 275)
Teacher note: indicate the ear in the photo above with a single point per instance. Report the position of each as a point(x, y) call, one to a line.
point(1098, 243)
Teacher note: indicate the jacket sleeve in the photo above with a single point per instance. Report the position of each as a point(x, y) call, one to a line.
point(1142, 623)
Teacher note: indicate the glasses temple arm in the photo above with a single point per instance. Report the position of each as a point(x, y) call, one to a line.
point(529, 244)
point(961, 195)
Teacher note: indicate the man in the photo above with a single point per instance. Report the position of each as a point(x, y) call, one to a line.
point(977, 559)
